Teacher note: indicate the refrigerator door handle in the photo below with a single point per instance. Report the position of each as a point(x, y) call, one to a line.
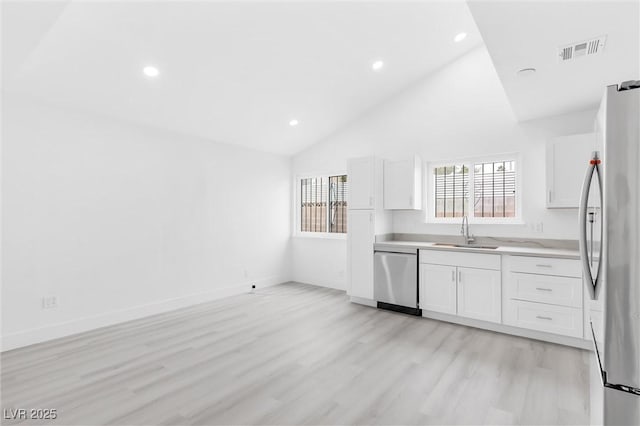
point(593, 282)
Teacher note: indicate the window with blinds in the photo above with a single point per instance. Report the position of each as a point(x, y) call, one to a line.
point(452, 190)
point(323, 204)
point(494, 193)
point(480, 189)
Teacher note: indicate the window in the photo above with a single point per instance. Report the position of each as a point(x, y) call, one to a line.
point(323, 204)
point(484, 189)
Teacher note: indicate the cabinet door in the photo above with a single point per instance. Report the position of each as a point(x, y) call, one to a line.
point(402, 184)
point(360, 239)
point(479, 294)
point(438, 288)
point(361, 174)
point(567, 161)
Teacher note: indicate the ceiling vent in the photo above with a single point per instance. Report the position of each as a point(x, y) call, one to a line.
point(589, 47)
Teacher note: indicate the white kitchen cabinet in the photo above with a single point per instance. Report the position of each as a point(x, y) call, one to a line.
point(566, 164)
point(544, 294)
point(463, 284)
point(479, 294)
point(360, 239)
point(438, 288)
point(361, 174)
point(403, 184)
point(544, 317)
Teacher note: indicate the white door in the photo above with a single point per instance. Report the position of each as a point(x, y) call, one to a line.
point(479, 294)
point(361, 172)
point(438, 288)
point(360, 239)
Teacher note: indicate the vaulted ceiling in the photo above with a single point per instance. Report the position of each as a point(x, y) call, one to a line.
point(239, 71)
point(528, 34)
point(234, 72)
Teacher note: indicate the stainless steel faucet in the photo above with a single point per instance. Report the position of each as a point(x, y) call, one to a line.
point(468, 239)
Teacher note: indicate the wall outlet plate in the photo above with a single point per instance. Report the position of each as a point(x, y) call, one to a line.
point(50, 302)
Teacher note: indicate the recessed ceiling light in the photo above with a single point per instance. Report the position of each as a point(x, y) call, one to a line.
point(377, 65)
point(150, 71)
point(526, 71)
point(293, 123)
point(458, 38)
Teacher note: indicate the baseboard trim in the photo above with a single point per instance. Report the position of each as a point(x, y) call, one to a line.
point(81, 325)
point(363, 301)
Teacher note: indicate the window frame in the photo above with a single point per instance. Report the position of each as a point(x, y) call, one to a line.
point(429, 183)
point(297, 213)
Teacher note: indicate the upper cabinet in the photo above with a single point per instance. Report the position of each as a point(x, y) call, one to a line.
point(403, 184)
point(362, 188)
point(567, 161)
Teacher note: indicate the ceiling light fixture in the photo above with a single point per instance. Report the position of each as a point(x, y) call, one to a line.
point(293, 123)
point(150, 71)
point(458, 38)
point(377, 65)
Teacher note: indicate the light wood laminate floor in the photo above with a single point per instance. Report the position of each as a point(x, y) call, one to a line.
point(296, 354)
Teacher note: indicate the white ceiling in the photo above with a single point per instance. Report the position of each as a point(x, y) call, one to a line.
point(522, 34)
point(234, 72)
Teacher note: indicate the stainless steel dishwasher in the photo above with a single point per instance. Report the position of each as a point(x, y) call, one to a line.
point(395, 278)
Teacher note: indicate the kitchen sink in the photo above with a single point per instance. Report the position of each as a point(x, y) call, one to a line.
point(474, 246)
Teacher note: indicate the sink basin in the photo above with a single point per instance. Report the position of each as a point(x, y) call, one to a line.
point(474, 246)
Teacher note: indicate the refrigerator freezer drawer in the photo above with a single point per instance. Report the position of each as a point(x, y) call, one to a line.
point(542, 317)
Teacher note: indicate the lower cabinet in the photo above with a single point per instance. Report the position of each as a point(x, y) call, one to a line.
point(360, 240)
point(438, 288)
point(460, 290)
point(544, 294)
point(479, 294)
point(544, 317)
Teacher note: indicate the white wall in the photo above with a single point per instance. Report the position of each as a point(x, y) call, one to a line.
point(459, 111)
point(121, 221)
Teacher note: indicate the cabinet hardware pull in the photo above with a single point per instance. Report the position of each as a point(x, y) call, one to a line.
point(544, 318)
point(453, 276)
point(543, 289)
point(542, 265)
point(370, 201)
point(459, 276)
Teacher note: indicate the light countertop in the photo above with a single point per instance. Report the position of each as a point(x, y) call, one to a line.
point(512, 250)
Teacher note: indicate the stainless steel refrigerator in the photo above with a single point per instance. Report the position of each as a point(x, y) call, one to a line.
point(610, 251)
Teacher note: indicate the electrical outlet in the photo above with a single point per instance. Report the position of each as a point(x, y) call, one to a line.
point(49, 302)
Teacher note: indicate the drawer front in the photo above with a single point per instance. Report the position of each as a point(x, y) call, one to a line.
point(564, 291)
point(454, 258)
point(546, 265)
point(543, 317)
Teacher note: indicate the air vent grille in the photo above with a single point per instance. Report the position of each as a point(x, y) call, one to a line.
point(582, 48)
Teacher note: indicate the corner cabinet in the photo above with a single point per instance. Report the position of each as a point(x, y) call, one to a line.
point(403, 184)
point(566, 163)
point(463, 284)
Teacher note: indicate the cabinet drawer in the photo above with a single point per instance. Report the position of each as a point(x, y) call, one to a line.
point(550, 289)
point(545, 265)
point(454, 258)
point(543, 317)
